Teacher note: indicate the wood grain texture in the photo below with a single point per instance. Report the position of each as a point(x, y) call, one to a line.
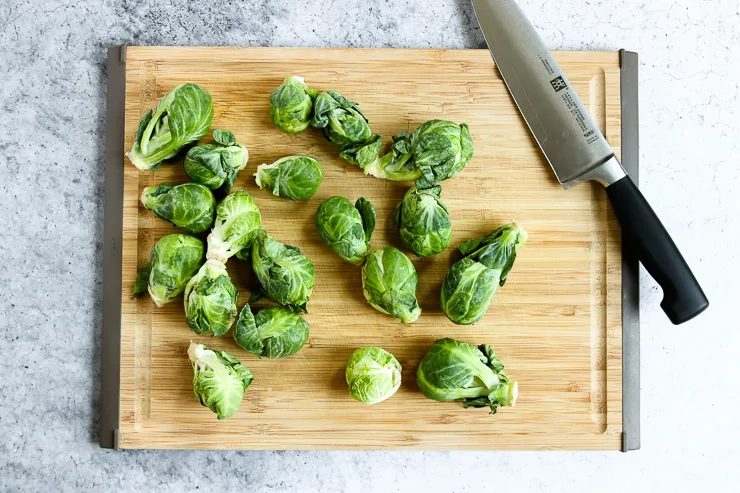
point(556, 324)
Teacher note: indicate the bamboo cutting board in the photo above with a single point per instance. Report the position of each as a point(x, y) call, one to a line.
point(556, 325)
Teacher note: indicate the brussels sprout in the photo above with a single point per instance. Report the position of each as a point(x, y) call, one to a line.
point(423, 221)
point(183, 116)
point(286, 275)
point(347, 229)
point(389, 283)
point(273, 333)
point(294, 177)
point(210, 300)
point(219, 379)
point(441, 150)
point(373, 375)
point(457, 371)
point(471, 283)
point(342, 121)
point(291, 105)
point(216, 165)
point(189, 206)
point(436, 151)
point(174, 260)
point(237, 222)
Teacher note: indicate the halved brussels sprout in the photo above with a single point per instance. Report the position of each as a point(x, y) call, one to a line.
point(291, 105)
point(219, 380)
point(389, 283)
point(373, 375)
point(216, 165)
point(183, 116)
point(286, 275)
point(237, 221)
point(457, 371)
point(342, 121)
point(174, 260)
point(294, 177)
point(471, 283)
point(210, 300)
point(423, 221)
point(274, 332)
point(346, 228)
point(189, 206)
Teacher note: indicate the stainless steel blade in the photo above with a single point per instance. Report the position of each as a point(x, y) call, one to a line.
point(563, 128)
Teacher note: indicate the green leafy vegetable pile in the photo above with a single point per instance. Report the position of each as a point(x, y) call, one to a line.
point(182, 264)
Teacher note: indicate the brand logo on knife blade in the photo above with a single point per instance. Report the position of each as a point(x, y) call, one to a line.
point(558, 83)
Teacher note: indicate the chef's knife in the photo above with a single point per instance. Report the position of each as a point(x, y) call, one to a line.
point(577, 152)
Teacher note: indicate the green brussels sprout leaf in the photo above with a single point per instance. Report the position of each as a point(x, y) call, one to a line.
point(457, 371)
point(365, 153)
point(189, 206)
point(219, 380)
point(182, 117)
point(210, 300)
point(274, 332)
point(373, 375)
point(142, 280)
point(345, 228)
point(292, 105)
point(237, 221)
point(294, 177)
point(367, 213)
point(174, 259)
point(423, 221)
point(397, 164)
point(224, 137)
point(285, 274)
point(389, 283)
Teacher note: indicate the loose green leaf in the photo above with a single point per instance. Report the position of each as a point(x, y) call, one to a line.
point(294, 177)
point(174, 259)
point(373, 375)
point(291, 105)
point(219, 380)
point(274, 332)
point(210, 300)
point(345, 228)
point(457, 371)
point(389, 282)
point(142, 280)
point(189, 206)
point(423, 221)
point(182, 117)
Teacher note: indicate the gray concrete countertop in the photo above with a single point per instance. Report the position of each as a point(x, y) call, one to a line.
point(52, 131)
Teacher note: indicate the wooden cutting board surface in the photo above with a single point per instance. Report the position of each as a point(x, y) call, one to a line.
point(556, 325)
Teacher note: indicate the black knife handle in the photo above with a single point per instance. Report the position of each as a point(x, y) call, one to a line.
point(683, 298)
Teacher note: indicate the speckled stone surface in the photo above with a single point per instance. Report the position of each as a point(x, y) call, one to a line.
point(52, 130)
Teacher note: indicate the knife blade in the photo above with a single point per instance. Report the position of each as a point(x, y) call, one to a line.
point(577, 151)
